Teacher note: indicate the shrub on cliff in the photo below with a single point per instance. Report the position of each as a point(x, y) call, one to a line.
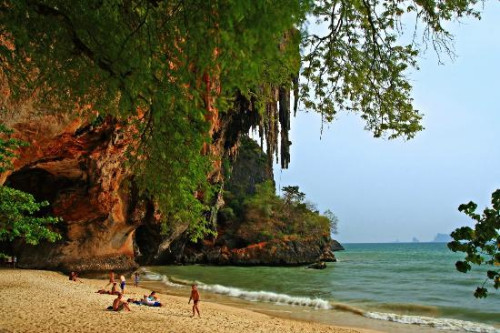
point(268, 216)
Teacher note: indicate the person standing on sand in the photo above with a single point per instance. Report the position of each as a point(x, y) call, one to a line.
point(195, 296)
point(111, 278)
point(122, 283)
point(136, 279)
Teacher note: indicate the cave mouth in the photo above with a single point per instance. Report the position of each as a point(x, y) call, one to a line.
point(43, 185)
point(146, 242)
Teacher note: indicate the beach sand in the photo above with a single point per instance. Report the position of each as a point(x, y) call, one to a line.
point(43, 301)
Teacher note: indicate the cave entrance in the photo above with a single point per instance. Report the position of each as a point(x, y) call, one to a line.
point(146, 243)
point(43, 185)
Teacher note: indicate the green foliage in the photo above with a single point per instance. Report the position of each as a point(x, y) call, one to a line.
point(227, 214)
point(333, 219)
point(268, 216)
point(18, 220)
point(481, 244)
point(8, 147)
point(18, 209)
point(361, 65)
point(292, 194)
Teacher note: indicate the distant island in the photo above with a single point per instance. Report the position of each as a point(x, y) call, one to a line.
point(442, 238)
point(415, 240)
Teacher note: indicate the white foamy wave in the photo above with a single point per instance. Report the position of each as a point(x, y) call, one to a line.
point(265, 296)
point(438, 323)
point(169, 283)
point(152, 276)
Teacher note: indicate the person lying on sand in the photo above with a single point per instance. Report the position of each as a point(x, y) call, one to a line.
point(146, 300)
point(195, 296)
point(119, 304)
point(113, 290)
point(103, 291)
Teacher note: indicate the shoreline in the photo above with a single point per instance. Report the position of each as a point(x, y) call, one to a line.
point(46, 301)
point(318, 310)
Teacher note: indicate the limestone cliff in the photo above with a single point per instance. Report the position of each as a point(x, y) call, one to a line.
point(77, 166)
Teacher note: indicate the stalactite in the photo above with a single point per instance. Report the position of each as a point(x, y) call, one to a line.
point(272, 123)
point(284, 119)
point(295, 85)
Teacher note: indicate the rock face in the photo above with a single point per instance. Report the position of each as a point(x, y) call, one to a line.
point(77, 167)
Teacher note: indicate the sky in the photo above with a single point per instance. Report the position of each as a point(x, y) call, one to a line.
point(393, 190)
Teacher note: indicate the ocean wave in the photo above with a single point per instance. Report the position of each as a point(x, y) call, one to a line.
point(152, 276)
point(406, 307)
point(438, 323)
point(266, 296)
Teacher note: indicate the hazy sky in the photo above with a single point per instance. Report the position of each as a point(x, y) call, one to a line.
point(384, 190)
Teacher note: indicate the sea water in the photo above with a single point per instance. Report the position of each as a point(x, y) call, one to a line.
point(415, 284)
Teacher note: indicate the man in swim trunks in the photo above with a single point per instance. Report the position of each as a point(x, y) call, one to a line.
point(119, 304)
point(122, 283)
point(195, 296)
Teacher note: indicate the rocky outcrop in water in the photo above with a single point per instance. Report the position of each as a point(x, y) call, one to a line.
point(229, 248)
point(277, 252)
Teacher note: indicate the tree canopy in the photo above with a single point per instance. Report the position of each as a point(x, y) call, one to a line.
point(166, 65)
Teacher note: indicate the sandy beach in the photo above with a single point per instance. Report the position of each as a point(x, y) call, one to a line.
point(43, 301)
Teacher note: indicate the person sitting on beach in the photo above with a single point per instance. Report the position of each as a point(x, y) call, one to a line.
point(150, 301)
point(195, 296)
point(154, 296)
point(119, 304)
point(147, 301)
